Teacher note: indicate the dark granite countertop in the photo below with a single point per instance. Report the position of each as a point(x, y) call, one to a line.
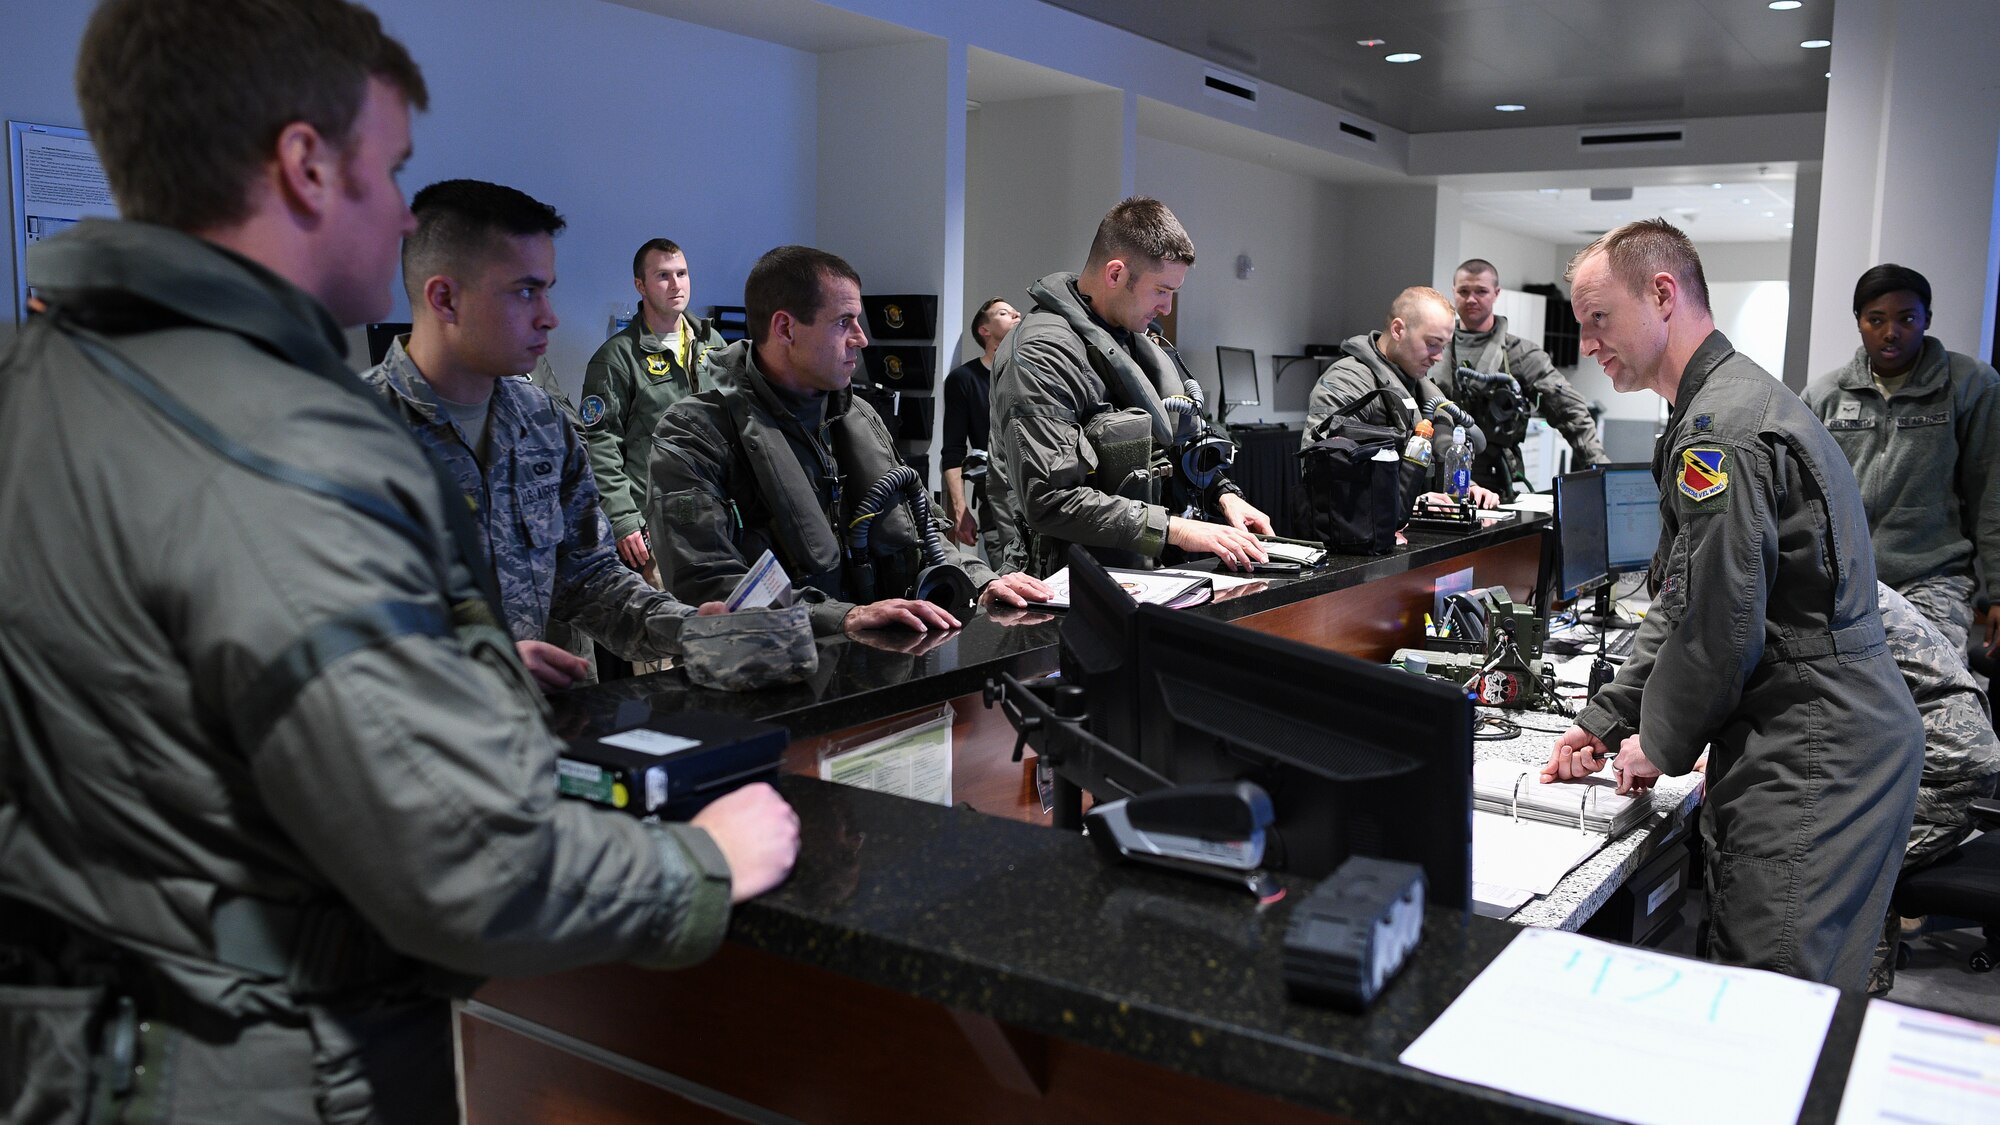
point(887, 672)
point(1031, 927)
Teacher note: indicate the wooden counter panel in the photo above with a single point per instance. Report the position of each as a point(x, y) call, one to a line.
point(811, 1045)
point(1373, 620)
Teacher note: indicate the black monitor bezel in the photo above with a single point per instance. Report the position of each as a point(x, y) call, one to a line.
point(1222, 379)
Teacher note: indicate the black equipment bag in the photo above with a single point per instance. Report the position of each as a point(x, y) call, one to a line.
point(1353, 500)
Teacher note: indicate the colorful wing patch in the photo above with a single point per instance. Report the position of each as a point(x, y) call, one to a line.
point(1702, 473)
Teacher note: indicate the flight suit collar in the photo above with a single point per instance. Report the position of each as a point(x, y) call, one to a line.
point(103, 260)
point(1700, 366)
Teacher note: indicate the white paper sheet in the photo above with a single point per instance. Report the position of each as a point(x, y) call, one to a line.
point(1916, 1066)
point(1718, 1044)
point(1527, 854)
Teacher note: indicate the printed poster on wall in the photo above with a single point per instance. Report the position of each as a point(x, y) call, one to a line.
point(58, 182)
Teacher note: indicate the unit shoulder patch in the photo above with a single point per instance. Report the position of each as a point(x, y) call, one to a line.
point(592, 411)
point(1703, 478)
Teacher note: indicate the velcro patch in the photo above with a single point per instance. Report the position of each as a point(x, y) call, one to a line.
point(1704, 474)
point(592, 412)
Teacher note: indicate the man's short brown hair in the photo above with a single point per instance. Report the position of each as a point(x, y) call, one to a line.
point(981, 318)
point(790, 279)
point(1476, 266)
point(185, 98)
point(665, 246)
point(459, 225)
point(1638, 250)
point(1412, 300)
point(1142, 233)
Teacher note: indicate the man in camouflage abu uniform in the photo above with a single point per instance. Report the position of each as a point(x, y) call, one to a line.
point(1483, 343)
point(1765, 643)
point(657, 360)
point(273, 786)
point(477, 271)
point(1961, 752)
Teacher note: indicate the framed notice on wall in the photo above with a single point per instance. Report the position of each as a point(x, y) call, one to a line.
point(57, 183)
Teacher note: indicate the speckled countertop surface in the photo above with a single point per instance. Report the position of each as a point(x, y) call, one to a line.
point(1030, 926)
point(887, 672)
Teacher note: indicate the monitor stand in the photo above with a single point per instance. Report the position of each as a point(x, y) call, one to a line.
point(1604, 611)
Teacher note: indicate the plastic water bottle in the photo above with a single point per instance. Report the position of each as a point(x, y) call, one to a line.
point(1458, 467)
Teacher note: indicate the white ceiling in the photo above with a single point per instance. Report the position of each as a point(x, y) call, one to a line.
point(1195, 130)
point(1758, 210)
point(991, 77)
point(802, 25)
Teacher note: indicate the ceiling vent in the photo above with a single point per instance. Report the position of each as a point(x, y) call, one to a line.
point(1610, 194)
point(1356, 131)
point(1655, 136)
point(1229, 88)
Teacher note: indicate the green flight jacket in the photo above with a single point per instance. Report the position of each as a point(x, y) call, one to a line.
point(1765, 646)
point(1545, 389)
point(627, 385)
point(231, 688)
point(1928, 458)
point(1057, 371)
point(727, 485)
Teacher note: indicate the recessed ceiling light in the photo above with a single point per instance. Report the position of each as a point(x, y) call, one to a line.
point(1716, 186)
point(1744, 202)
point(1402, 56)
point(1815, 44)
point(1788, 226)
point(1550, 190)
point(1785, 5)
point(1510, 107)
point(1370, 42)
point(1770, 214)
point(1829, 74)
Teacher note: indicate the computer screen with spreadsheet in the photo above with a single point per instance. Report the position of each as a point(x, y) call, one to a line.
point(1631, 517)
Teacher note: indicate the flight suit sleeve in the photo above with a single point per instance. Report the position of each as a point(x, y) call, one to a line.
point(1704, 634)
point(694, 524)
point(1978, 467)
point(415, 774)
point(1338, 385)
point(1559, 404)
point(1051, 462)
point(594, 589)
point(605, 436)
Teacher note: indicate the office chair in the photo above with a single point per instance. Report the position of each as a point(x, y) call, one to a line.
point(1964, 883)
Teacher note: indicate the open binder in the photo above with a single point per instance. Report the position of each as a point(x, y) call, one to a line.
point(1591, 805)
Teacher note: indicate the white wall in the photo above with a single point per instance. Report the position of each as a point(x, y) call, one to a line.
point(565, 102)
point(1521, 259)
point(1289, 225)
point(1912, 138)
point(1040, 174)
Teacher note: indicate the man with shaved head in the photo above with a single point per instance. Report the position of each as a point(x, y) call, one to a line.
point(1394, 359)
point(1764, 644)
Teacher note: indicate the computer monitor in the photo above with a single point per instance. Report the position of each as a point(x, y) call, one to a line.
point(1237, 368)
point(1358, 759)
point(1096, 655)
point(1586, 566)
point(1631, 517)
point(1292, 380)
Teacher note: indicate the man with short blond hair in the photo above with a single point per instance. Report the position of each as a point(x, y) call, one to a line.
point(1764, 643)
point(1482, 343)
point(1084, 395)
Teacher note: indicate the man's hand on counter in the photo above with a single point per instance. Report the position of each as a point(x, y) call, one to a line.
point(553, 668)
point(1243, 515)
point(898, 613)
point(759, 837)
point(1017, 589)
point(1236, 547)
point(1579, 754)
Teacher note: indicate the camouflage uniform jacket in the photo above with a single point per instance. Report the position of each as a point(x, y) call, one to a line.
point(1928, 458)
point(1059, 368)
point(187, 727)
point(1959, 742)
point(1498, 350)
point(536, 505)
point(730, 481)
point(1765, 645)
point(627, 385)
